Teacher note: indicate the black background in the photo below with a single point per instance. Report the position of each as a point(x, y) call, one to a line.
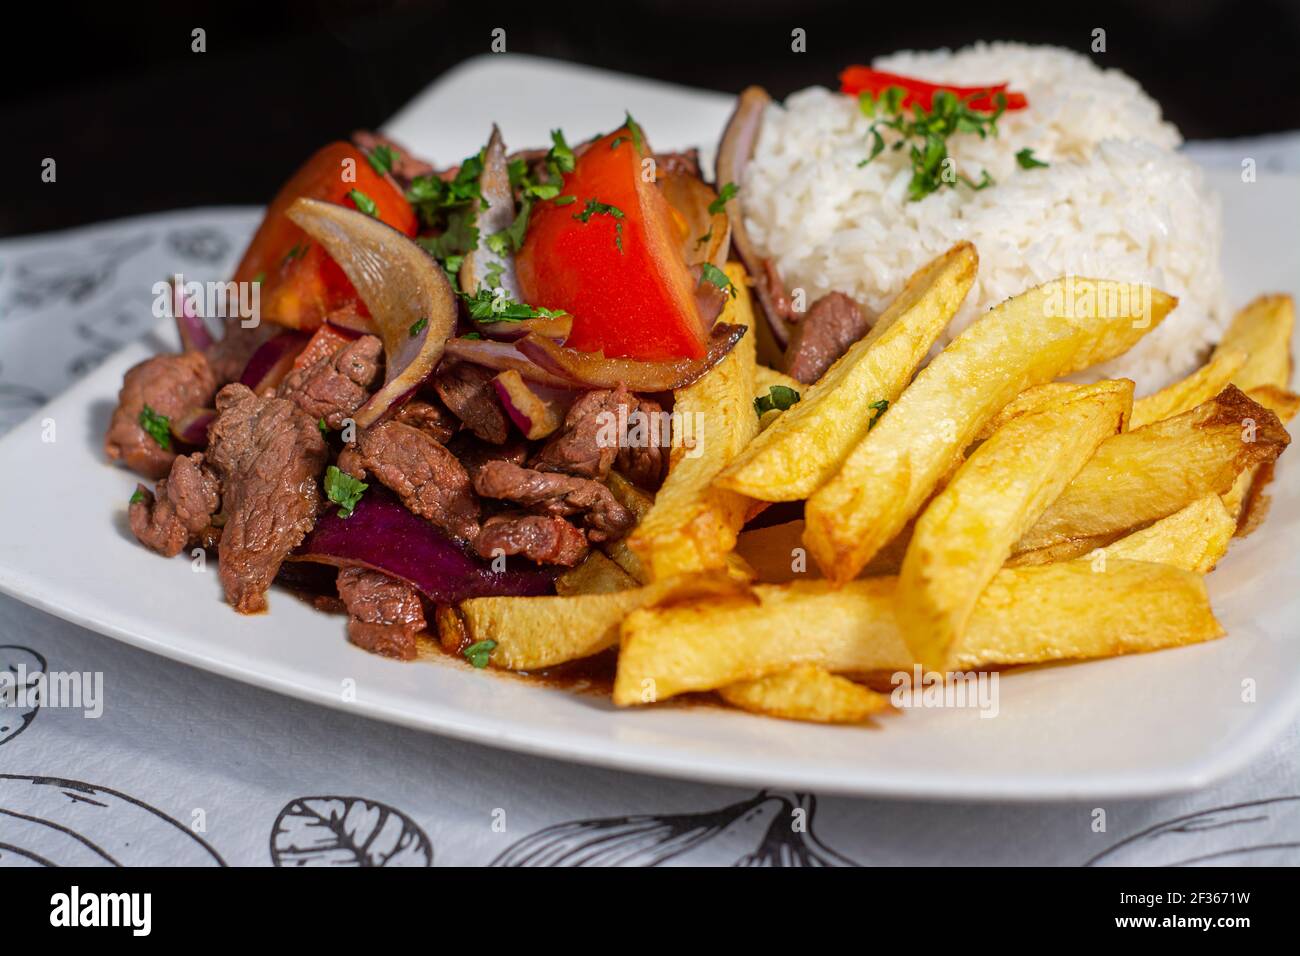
point(137, 122)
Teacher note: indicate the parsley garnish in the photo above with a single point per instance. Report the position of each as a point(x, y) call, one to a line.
point(344, 490)
point(364, 203)
point(324, 429)
point(779, 397)
point(565, 200)
point(418, 326)
point(704, 238)
point(491, 305)
point(595, 207)
point(633, 127)
point(382, 158)
point(299, 250)
point(725, 195)
point(878, 408)
point(617, 142)
point(1028, 160)
point(137, 496)
point(158, 427)
point(560, 155)
point(448, 206)
point(479, 652)
point(714, 276)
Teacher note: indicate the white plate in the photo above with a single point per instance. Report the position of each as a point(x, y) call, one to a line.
point(1125, 727)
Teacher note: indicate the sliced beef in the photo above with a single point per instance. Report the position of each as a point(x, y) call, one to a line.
point(170, 385)
point(542, 538)
point(833, 324)
point(230, 354)
point(384, 613)
point(181, 513)
point(268, 454)
point(424, 474)
point(643, 453)
point(559, 495)
point(586, 445)
point(774, 287)
point(405, 167)
point(429, 417)
point(467, 390)
point(334, 387)
point(474, 454)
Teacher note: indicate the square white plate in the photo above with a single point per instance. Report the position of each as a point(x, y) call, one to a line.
point(1125, 727)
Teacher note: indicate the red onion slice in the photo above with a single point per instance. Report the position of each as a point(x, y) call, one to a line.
point(495, 213)
point(502, 356)
point(192, 427)
point(273, 360)
point(194, 332)
point(536, 410)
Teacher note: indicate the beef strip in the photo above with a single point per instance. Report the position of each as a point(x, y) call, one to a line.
point(384, 613)
point(556, 494)
point(582, 446)
point(333, 388)
point(545, 539)
point(770, 280)
point(474, 454)
point(429, 417)
point(180, 514)
point(644, 462)
point(833, 324)
point(171, 385)
point(405, 167)
point(230, 354)
point(268, 453)
point(424, 474)
point(467, 390)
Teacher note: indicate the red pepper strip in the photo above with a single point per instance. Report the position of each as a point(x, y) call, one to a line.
point(863, 79)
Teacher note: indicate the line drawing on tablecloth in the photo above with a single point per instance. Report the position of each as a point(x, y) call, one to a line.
point(51, 821)
point(52, 276)
point(20, 662)
point(1258, 833)
point(767, 829)
point(347, 831)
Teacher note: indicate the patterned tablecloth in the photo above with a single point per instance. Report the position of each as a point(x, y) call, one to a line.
point(184, 767)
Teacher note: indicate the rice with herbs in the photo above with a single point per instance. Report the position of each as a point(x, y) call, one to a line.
point(1115, 202)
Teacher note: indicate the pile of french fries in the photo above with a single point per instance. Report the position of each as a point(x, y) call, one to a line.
point(976, 514)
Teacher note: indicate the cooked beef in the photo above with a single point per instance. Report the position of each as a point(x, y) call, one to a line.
point(182, 512)
point(542, 538)
point(585, 446)
point(557, 494)
point(771, 283)
point(334, 387)
point(424, 474)
point(384, 613)
point(170, 385)
point(229, 354)
point(474, 454)
point(268, 454)
point(644, 461)
point(405, 167)
point(429, 417)
point(832, 325)
point(467, 390)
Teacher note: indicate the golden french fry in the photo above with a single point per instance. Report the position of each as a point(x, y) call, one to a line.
point(1194, 538)
point(807, 443)
point(1026, 615)
point(1066, 550)
point(1184, 395)
point(965, 534)
point(1246, 500)
point(693, 525)
point(765, 379)
point(1263, 331)
point(1049, 331)
point(1285, 405)
point(597, 574)
point(1142, 475)
point(806, 692)
point(639, 503)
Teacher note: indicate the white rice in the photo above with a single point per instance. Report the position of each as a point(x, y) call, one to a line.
point(1117, 201)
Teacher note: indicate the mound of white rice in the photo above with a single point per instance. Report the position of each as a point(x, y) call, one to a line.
point(1117, 202)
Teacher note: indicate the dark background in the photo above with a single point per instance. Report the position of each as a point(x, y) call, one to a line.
point(137, 122)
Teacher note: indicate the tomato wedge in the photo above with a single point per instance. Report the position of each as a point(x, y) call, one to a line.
point(300, 283)
point(607, 250)
point(863, 79)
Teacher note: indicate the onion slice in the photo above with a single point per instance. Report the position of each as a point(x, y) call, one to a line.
point(273, 360)
point(555, 327)
point(192, 427)
point(409, 298)
point(382, 535)
point(502, 356)
point(194, 332)
point(593, 370)
point(495, 212)
point(536, 410)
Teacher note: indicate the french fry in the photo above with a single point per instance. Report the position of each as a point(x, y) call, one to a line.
point(1026, 615)
point(1047, 332)
point(1263, 331)
point(966, 533)
point(537, 632)
point(1184, 395)
point(806, 693)
point(1142, 475)
point(1279, 401)
point(807, 443)
point(693, 525)
point(1246, 500)
point(639, 503)
point(597, 574)
point(764, 380)
point(1194, 538)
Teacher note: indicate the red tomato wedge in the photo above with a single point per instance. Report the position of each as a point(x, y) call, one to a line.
point(300, 283)
point(863, 79)
point(612, 259)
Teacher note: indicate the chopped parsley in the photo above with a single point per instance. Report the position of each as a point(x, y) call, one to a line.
point(595, 207)
point(297, 252)
point(714, 276)
point(567, 200)
point(479, 652)
point(418, 326)
point(158, 427)
point(560, 155)
point(725, 195)
point(633, 127)
point(778, 397)
point(364, 203)
point(138, 496)
point(878, 408)
point(449, 207)
point(324, 428)
point(1028, 160)
point(704, 238)
point(492, 305)
point(617, 142)
point(344, 490)
point(382, 158)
